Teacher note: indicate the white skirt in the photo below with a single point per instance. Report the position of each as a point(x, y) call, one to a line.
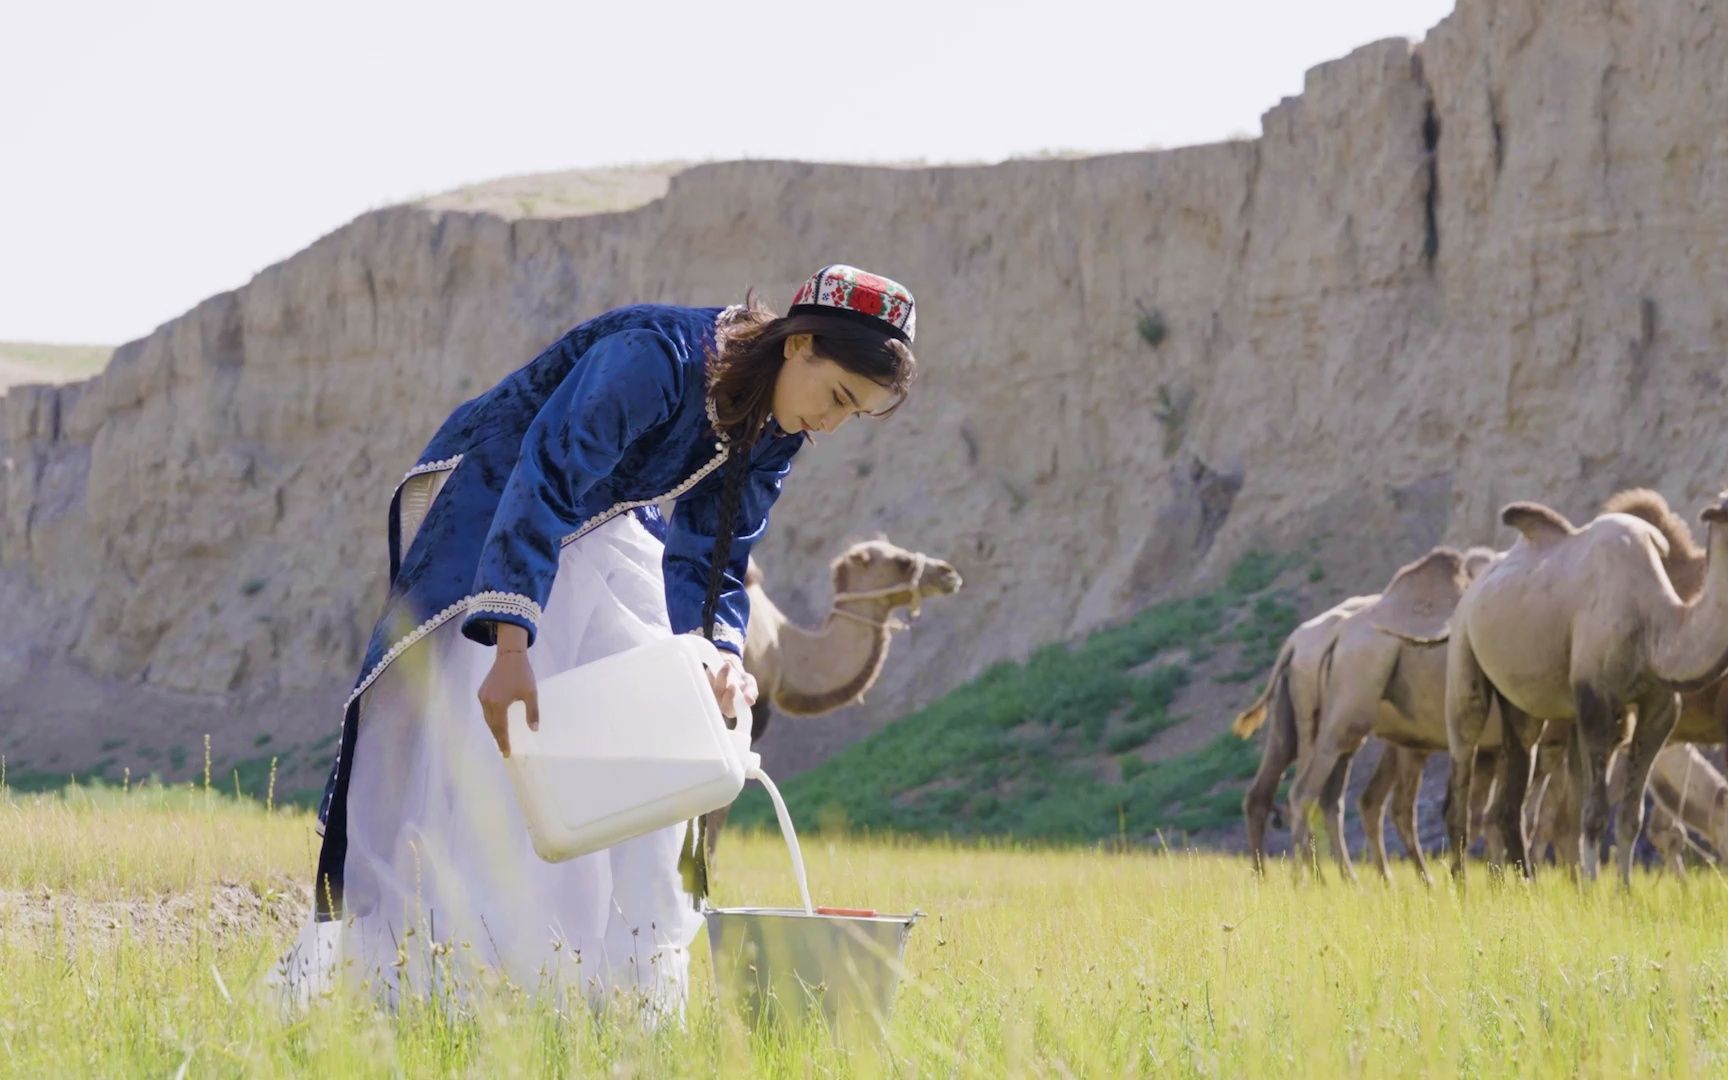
point(442, 888)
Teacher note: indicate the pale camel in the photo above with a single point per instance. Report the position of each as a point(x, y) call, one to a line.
point(1552, 813)
point(1375, 683)
point(1689, 795)
point(805, 672)
point(1575, 626)
point(1692, 792)
point(1703, 712)
point(1291, 699)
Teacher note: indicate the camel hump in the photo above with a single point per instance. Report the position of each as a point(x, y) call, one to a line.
point(1420, 598)
point(1479, 559)
point(752, 573)
point(1538, 523)
point(1651, 507)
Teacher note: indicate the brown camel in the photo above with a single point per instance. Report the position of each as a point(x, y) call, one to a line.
point(1576, 626)
point(1375, 683)
point(804, 672)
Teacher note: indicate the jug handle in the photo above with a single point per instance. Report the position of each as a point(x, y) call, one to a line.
point(704, 652)
point(700, 649)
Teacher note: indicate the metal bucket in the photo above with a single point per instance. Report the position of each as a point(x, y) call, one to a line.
point(782, 966)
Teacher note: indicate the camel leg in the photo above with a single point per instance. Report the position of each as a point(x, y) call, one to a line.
point(1279, 752)
point(1314, 781)
point(1539, 816)
point(1349, 703)
point(1594, 734)
point(1408, 787)
point(1519, 734)
point(1486, 785)
point(1332, 806)
point(1372, 806)
point(1320, 785)
point(1566, 825)
point(1658, 710)
point(1541, 806)
point(1466, 717)
point(1668, 836)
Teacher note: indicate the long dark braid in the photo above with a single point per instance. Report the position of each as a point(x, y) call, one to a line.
point(693, 859)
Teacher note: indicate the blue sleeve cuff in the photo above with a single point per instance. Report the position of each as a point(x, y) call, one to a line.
point(488, 608)
point(726, 638)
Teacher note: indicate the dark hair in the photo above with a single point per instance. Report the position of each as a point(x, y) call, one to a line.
point(743, 367)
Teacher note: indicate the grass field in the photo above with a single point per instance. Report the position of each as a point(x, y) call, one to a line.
point(135, 930)
point(26, 362)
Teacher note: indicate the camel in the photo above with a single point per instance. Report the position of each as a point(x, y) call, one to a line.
point(1291, 697)
point(1375, 683)
point(1553, 815)
point(1575, 626)
point(804, 672)
point(1693, 792)
point(1689, 794)
point(1703, 712)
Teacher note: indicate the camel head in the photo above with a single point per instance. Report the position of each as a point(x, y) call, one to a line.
point(878, 569)
point(1717, 514)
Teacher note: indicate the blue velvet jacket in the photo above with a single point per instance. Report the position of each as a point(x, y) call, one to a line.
point(612, 418)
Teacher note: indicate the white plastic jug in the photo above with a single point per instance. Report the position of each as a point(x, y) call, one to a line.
point(627, 744)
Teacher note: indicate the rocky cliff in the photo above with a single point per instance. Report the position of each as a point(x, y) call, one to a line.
point(1486, 267)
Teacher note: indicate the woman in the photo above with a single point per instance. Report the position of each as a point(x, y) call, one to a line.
point(525, 542)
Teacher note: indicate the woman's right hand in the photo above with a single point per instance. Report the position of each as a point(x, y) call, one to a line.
point(510, 680)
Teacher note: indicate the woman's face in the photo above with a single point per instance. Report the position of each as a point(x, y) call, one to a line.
point(813, 394)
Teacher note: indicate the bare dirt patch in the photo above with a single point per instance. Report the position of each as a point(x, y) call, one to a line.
point(224, 912)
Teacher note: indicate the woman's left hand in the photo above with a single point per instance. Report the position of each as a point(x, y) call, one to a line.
point(734, 688)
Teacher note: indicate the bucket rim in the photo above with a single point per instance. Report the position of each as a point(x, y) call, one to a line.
point(800, 913)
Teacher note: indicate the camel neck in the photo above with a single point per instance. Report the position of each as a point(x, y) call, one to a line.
point(1692, 641)
point(831, 667)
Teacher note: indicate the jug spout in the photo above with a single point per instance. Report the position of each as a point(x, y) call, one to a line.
point(751, 760)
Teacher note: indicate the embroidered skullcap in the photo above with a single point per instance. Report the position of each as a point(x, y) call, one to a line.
point(851, 293)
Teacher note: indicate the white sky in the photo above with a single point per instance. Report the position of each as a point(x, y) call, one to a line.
point(154, 153)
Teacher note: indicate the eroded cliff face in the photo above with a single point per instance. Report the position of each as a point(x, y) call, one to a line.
point(1490, 267)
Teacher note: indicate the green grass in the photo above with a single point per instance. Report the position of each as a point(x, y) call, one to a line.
point(1043, 750)
point(123, 956)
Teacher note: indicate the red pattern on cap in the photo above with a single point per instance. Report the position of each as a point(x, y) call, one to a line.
point(848, 287)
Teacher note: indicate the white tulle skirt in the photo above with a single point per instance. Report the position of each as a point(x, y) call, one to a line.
point(443, 890)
